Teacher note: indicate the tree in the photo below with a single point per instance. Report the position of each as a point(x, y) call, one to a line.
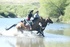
point(52, 8)
point(66, 17)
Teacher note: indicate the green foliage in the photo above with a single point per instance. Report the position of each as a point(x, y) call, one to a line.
point(67, 12)
point(18, 10)
point(52, 8)
point(57, 9)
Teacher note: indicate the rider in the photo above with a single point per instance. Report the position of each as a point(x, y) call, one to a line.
point(30, 15)
point(28, 19)
point(36, 15)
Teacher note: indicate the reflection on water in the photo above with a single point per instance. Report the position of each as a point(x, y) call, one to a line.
point(30, 42)
point(57, 44)
point(6, 41)
point(53, 41)
point(43, 42)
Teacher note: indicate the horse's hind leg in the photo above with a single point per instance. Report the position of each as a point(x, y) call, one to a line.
point(21, 31)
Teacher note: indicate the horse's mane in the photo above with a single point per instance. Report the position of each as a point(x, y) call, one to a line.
point(40, 17)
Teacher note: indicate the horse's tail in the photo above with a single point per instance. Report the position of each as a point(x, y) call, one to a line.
point(11, 26)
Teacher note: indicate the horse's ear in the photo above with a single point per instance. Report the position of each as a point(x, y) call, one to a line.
point(49, 20)
point(41, 17)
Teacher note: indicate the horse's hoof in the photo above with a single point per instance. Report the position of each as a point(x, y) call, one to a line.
point(42, 35)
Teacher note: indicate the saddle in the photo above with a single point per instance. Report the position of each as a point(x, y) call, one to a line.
point(28, 23)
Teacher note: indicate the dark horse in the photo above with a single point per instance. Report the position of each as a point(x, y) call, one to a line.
point(38, 25)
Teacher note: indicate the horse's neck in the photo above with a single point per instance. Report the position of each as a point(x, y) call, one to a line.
point(44, 23)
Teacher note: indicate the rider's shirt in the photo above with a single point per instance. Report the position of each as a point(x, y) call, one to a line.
point(36, 15)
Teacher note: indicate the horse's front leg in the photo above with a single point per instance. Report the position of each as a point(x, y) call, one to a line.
point(42, 33)
point(39, 31)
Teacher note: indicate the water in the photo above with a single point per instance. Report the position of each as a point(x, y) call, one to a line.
point(56, 35)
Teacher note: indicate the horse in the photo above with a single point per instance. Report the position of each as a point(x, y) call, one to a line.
point(38, 25)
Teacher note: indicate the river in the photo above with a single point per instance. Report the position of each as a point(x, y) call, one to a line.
point(56, 35)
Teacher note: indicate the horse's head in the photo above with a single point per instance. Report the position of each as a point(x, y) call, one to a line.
point(48, 20)
point(44, 22)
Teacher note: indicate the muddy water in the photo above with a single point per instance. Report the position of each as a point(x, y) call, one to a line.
point(56, 35)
